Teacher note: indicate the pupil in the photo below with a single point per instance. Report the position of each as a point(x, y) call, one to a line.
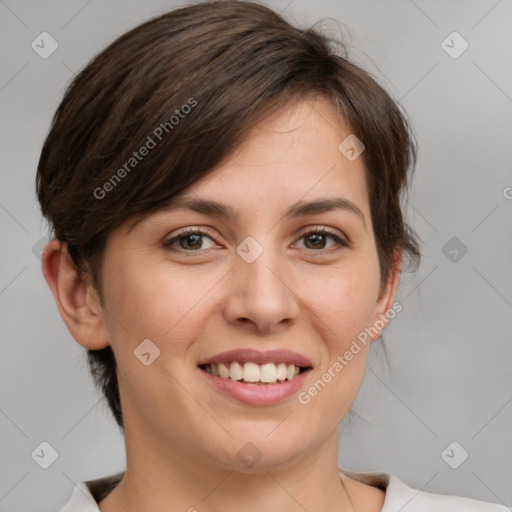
point(317, 238)
point(195, 239)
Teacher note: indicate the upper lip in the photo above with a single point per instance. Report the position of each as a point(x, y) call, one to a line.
point(255, 356)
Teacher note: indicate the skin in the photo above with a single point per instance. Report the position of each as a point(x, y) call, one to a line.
point(182, 436)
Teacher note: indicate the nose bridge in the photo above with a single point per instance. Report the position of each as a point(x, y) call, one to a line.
point(259, 289)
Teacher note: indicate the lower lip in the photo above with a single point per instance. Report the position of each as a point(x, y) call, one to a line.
point(257, 394)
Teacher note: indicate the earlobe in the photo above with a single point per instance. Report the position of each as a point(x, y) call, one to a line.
point(384, 305)
point(77, 306)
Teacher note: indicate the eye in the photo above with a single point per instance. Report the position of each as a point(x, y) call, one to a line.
point(189, 240)
point(316, 239)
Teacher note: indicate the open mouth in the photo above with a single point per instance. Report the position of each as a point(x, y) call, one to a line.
point(253, 373)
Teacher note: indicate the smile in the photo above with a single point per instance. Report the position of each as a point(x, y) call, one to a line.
point(254, 377)
point(250, 372)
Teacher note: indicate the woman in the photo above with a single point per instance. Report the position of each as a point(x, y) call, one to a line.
point(224, 191)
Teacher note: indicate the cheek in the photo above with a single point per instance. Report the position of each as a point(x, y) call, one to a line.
point(345, 302)
point(341, 312)
point(157, 303)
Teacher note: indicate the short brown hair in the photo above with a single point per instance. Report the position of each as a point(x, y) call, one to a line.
point(233, 63)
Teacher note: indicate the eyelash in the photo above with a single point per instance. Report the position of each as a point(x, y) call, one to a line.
point(314, 231)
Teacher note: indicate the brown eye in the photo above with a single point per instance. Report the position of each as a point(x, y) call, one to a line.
point(190, 240)
point(315, 241)
point(318, 238)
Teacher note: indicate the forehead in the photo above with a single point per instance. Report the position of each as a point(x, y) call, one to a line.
point(293, 154)
point(289, 159)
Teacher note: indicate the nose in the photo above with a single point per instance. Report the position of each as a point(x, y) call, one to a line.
point(261, 295)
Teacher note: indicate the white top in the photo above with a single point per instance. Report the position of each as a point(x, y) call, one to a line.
point(399, 496)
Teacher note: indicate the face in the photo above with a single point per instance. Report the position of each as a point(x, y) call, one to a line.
point(266, 275)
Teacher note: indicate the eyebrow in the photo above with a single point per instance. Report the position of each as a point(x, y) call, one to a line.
point(299, 209)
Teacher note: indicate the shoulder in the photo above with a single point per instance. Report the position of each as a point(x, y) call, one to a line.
point(81, 500)
point(399, 496)
point(410, 499)
point(86, 495)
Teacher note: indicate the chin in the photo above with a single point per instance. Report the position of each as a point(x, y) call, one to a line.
point(255, 452)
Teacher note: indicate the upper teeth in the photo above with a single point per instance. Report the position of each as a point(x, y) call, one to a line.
point(252, 372)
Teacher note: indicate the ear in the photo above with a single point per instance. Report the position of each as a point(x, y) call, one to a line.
point(75, 297)
point(384, 310)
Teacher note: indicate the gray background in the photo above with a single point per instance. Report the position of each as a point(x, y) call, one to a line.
point(450, 348)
